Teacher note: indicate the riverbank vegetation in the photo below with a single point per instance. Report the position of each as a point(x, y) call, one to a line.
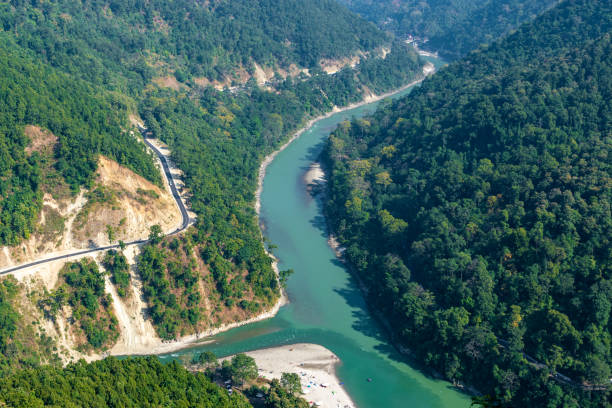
point(241, 373)
point(120, 383)
point(477, 212)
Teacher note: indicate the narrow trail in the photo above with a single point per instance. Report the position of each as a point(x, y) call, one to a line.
point(175, 194)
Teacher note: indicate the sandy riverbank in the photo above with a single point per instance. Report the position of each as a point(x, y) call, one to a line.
point(314, 174)
point(316, 367)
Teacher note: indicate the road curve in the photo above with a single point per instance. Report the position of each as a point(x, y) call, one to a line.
point(179, 202)
point(173, 189)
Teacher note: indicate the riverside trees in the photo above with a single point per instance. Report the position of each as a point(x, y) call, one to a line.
point(488, 234)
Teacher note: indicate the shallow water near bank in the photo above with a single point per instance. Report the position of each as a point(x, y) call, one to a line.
point(326, 306)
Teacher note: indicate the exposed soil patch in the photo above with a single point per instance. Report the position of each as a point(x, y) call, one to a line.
point(79, 303)
point(125, 210)
point(332, 66)
point(41, 140)
point(169, 81)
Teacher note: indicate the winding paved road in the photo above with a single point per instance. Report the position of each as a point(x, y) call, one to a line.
point(173, 188)
point(186, 221)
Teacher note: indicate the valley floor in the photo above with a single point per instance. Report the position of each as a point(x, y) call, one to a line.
point(137, 334)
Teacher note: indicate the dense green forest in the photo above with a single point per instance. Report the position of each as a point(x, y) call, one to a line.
point(78, 70)
point(133, 382)
point(218, 138)
point(451, 27)
point(476, 211)
point(120, 383)
point(139, 39)
point(123, 46)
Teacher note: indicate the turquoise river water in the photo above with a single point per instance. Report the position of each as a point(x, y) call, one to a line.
point(326, 306)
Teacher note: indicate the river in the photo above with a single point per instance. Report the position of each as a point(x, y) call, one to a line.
point(326, 306)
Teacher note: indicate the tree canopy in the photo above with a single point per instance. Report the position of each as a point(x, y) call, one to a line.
point(451, 27)
point(477, 212)
point(132, 382)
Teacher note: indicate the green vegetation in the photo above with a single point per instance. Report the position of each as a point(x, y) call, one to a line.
point(82, 288)
point(284, 275)
point(122, 47)
point(147, 194)
point(241, 368)
point(116, 264)
point(21, 345)
point(452, 27)
point(170, 286)
point(120, 383)
point(233, 132)
point(175, 281)
point(53, 226)
point(291, 382)
point(206, 358)
point(477, 212)
point(133, 382)
point(140, 39)
point(98, 62)
point(86, 121)
point(278, 396)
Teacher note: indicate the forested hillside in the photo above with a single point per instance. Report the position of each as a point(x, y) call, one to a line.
point(451, 27)
point(86, 120)
point(21, 345)
point(74, 72)
point(101, 61)
point(141, 39)
point(81, 286)
point(476, 211)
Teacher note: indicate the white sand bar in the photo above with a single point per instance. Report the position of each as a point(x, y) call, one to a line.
point(316, 367)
